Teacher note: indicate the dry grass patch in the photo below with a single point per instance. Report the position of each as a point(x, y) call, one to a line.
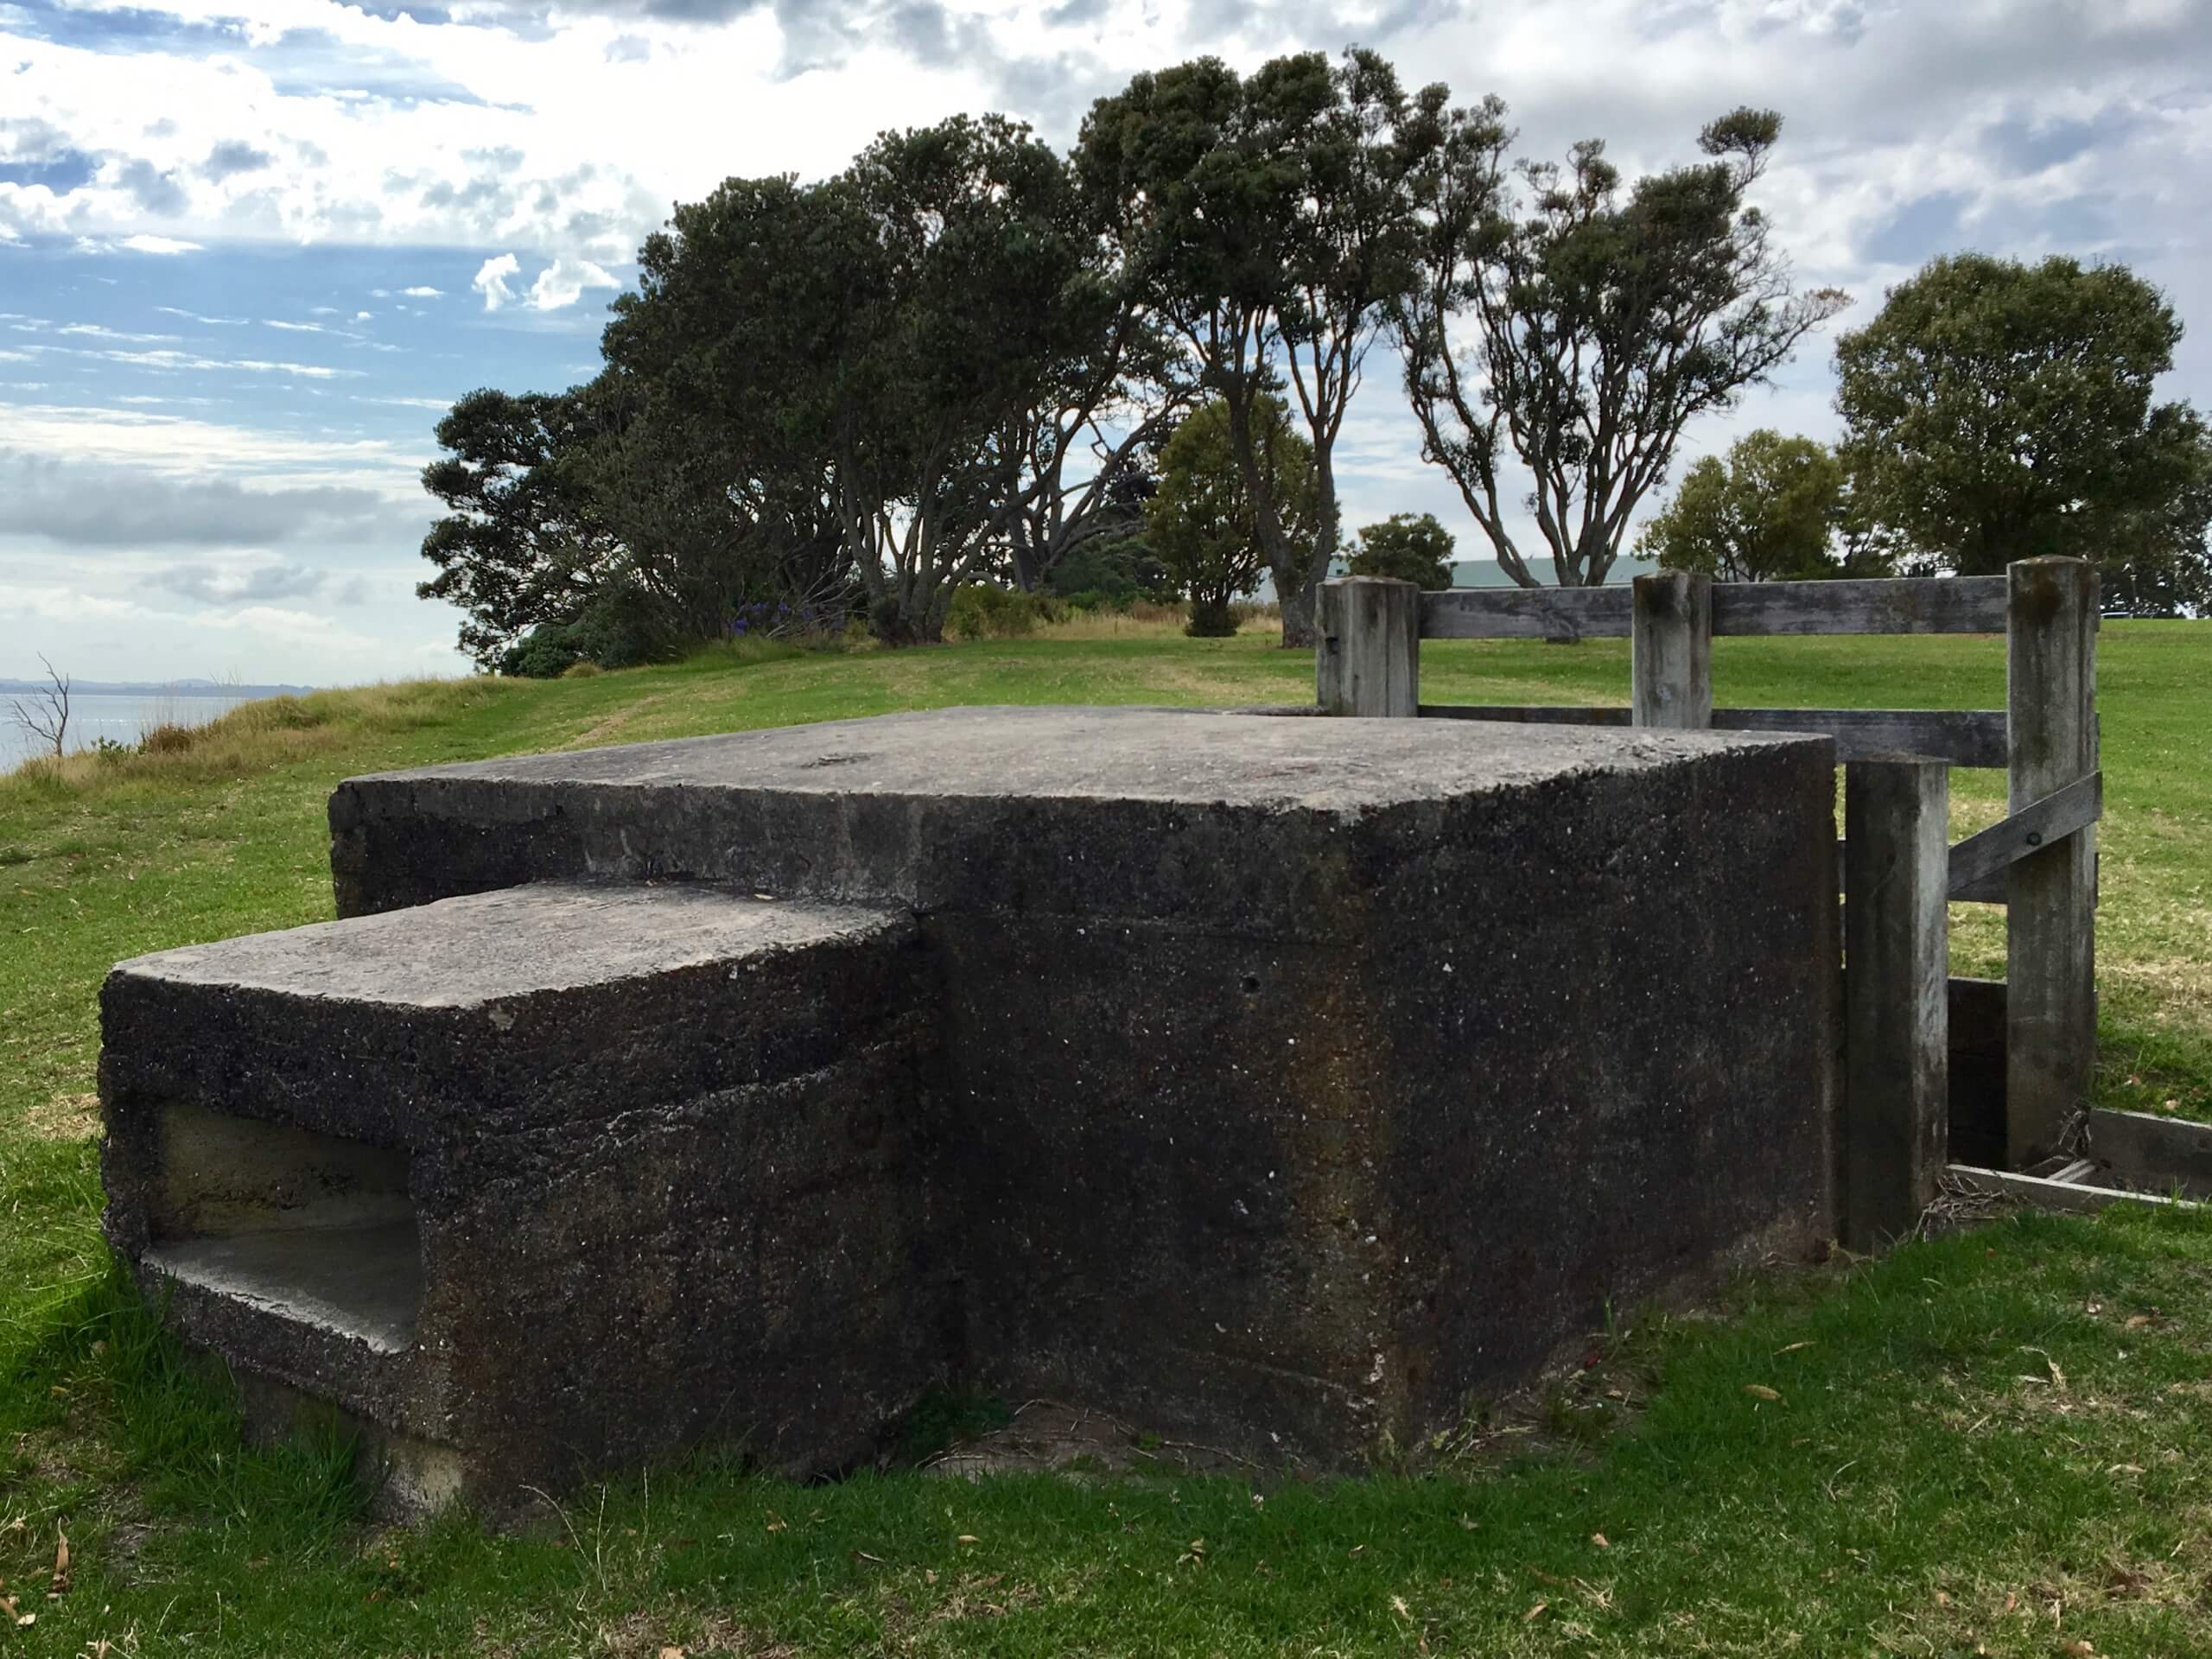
point(64, 1117)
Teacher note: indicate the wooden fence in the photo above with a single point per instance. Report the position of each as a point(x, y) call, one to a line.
point(1897, 868)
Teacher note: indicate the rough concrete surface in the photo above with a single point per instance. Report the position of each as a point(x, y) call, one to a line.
point(1277, 1083)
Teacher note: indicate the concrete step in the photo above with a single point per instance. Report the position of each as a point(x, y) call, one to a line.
point(374, 1161)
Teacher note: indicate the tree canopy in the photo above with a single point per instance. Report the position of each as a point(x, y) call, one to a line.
point(961, 359)
point(1770, 511)
point(1996, 410)
point(919, 341)
point(1268, 219)
point(1602, 323)
point(1203, 520)
point(1406, 547)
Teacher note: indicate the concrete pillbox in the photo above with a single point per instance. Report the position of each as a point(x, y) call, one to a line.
point(1277, 1081)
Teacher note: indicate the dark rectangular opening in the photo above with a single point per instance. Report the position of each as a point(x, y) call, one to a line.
point(309, 1227)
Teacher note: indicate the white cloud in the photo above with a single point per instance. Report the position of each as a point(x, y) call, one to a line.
point(490, 281)
point(294, 328)
point(221, 322)
point(362, 316)
point(172, 360)
point(563, 282)
point(185, 446)
point(94, 331)
point(143, 243)
point(421, 293)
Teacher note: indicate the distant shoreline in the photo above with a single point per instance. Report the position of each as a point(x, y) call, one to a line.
point(197, 688)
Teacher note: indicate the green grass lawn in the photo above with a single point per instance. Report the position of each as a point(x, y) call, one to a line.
point(1996, 1442)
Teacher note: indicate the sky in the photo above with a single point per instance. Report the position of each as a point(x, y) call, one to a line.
point(250, 249)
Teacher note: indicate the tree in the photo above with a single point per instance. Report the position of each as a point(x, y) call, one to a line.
point(1409, 549)
point(518, 547)
point(45, 712)
point(1116, 405)
point(597, 514)
point(1113, 560)
point(1268, 219)
point(926, 335)
point(1769, 513)
point(1601, 325)
point(2160, 563)
point(1202, 521)
point(1996, 410)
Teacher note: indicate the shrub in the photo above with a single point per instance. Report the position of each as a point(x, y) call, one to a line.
point(545, 653)
point(169, 739)
point(772, 619)
point(887, 621)
point(1115, 569)
point(983, 612)
point(1211, 619)
point(1409, 547)
point(1095, 599)
point(582, 669)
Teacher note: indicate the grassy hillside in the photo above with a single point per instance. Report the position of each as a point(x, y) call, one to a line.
point(1907, 1491)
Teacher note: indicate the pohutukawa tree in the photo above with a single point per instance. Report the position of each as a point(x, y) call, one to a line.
point(1269, 219)
point(520, 545)
point(929, 334)
point(596, 509)
point(1556, 319)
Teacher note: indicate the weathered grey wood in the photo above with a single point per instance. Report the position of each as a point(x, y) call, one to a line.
point(1894, 605)
point(1526, 614)
point(1670, 651)
point(1964, 737)
point(1903, 605)
point(2040, 1193)
point(1985, 890)
point(2050, 954)
point(2157, 1153)
point(1896, 948)
point(1530, 713)
point(1368, 658)
point(1987, 854)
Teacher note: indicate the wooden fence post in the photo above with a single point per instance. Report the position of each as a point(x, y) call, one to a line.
point(1896, 972)
point(1368, 658)
point(2050, 918)
point(1670, 651)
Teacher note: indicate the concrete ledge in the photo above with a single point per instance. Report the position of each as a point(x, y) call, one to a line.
point(1123, 813)
point(541, 1181)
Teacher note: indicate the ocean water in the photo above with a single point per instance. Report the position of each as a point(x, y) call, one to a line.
point(123, 717)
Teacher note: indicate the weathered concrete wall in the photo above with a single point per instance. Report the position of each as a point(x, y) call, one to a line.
point(1295, 1197)
point(650, 1136)
point(1279, 1081)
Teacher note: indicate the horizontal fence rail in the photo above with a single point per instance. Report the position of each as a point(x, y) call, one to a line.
point(1964, 737)
point(1953, 605)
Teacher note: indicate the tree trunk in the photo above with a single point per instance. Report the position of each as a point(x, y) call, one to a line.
point(1299, 596)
